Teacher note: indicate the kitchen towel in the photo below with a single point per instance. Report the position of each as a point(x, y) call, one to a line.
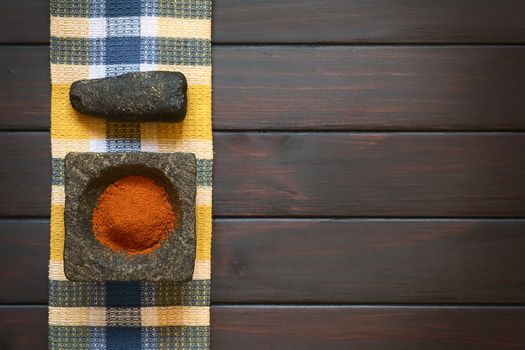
point(100, 38)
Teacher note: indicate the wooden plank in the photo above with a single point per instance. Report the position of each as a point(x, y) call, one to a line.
point(322, 174)
point(24, 87)
point(367, 328)
point(347, 174)
point(24, 21)
point(369, 88)
point(332, 21)
point(25, 170)
point(24, 256)
point(23, 328)
point(369, 261)
point(383, 21)
point(323, 261)
point(341, 327)
point(322, 88)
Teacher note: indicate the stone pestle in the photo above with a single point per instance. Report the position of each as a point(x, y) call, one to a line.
point(133, 97)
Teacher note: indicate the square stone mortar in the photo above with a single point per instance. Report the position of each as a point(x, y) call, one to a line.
point(87, 175)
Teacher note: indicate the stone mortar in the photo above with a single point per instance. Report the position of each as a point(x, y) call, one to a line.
point(87, 175)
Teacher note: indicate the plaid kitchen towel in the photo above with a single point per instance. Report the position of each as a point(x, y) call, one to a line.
point(99, 38)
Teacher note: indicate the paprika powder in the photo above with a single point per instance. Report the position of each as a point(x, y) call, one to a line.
point(133, 215)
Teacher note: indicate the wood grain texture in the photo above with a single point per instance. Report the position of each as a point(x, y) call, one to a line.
point(329, 21)
point(322, 174)
point(368, 328)
point(383, 21)
point(347, 174)
point(322, 88)
point(369, 88)
point(25, 88)
point(369, 261)
point(23, 328)
point(24, 256)
point(25, 170)
point(309, 328)
point(322, 261)
point(24, 21)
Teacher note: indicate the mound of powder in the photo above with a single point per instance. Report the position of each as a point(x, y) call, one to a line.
point(133, 215)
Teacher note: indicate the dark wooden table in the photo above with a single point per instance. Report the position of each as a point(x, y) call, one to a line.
point(369, 178)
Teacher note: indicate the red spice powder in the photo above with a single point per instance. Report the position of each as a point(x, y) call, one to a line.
point(133, 215)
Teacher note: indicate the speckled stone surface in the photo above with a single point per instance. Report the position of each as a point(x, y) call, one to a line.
point(86, 177)
point(137, 96)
